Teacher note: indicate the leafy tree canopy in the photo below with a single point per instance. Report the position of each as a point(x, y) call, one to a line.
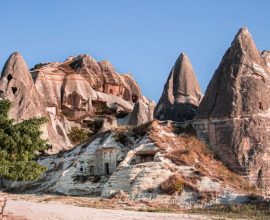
point(20, 144)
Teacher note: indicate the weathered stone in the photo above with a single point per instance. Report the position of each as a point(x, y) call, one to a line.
point(181, 95)
point(17, 85)
point(70, 94)
point(142, 112)
point(233, 116)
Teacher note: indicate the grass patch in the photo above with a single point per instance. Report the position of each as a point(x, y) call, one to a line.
point(259, 210)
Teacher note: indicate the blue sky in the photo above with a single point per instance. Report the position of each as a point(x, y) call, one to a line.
point(143, 37)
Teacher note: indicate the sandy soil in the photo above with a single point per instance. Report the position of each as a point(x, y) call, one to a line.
point(54, 210)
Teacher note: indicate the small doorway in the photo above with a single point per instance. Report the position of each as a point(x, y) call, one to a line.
point(92, 170)
point(107, 170)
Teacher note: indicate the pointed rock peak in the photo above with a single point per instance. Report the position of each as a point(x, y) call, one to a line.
point(16, 67)
point(183, 57)
point(181, 94)
point(185, 83)
point(183, 61)
point(243, 41)
point(106, 65)
point(15, 56)
point(83, 61)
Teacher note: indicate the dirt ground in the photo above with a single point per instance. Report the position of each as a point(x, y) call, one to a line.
point(43, 207)
point(56, 210)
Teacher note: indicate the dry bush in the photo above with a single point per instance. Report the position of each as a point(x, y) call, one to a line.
point(174, 184)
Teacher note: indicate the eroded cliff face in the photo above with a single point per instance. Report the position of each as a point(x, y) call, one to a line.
point(87, 74)
point(233, 116)
point(18, 86)
point(17, 83)
point(77, 92)
point(181, 95)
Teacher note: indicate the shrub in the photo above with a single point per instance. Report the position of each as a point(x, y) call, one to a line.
point(78, 135)
point(122, 137)
point(141, 130)
point(95, 125)
point(174, 184)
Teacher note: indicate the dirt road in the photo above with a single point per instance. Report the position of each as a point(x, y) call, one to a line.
point(53, 210)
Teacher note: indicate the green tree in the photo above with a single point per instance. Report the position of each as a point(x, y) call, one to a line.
point(20, 144)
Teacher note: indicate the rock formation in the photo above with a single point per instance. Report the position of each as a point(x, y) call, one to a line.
point(142, 112)
point(17, 85)
point(181, 95)
point(138, 162)
point(233, 116)
point(77, 92)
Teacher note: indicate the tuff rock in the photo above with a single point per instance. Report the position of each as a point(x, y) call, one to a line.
point(77, 92)
point(233, 116)
point(181, 95)
point(18, 86)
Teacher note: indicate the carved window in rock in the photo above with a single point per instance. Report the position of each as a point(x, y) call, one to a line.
point(9, 77)
point(134, 98)
point(111, 91)
point(260, 105)
point(81, 169)
point(14, 90)
point(2, 94)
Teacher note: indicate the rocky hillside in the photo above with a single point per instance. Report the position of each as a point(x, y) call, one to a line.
point(198, 151)
point(79, 92)
point(161, 161)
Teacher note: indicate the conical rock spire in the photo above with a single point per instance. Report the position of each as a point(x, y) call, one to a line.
point(181, 94)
